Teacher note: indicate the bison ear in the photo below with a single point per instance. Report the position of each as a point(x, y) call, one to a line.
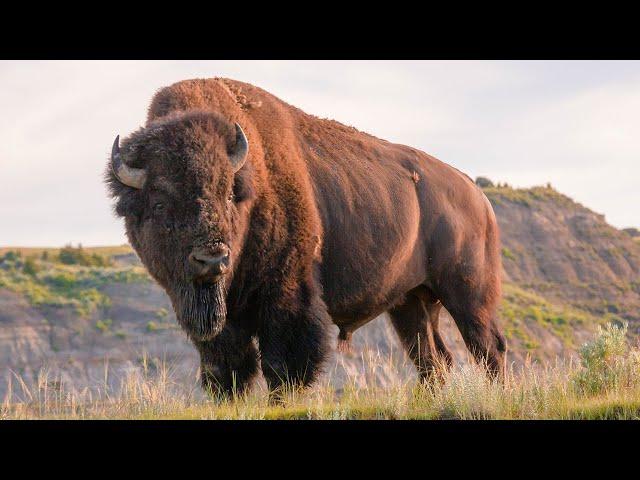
point(238, 153)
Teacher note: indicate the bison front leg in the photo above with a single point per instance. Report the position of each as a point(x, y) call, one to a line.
point(228, 363)
point(294, 346)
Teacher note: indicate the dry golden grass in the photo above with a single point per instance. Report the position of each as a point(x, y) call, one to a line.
point(605, 384)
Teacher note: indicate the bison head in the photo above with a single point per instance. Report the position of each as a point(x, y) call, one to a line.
point(184, 190)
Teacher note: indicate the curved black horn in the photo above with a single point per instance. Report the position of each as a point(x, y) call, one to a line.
point(132, 177)
point(239, 154)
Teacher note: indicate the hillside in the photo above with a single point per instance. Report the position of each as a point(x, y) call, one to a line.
point(565, 269)
point(93, 317)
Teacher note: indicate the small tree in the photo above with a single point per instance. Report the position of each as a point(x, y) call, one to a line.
point(484, 182)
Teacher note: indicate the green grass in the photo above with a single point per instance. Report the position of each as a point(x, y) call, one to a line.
point(151, 326)
point(104, 326)
point(521, 309)
point(527, 197)
point(508, 254)
point(55, 282)
point(108, 251)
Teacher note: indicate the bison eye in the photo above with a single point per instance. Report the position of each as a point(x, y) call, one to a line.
point(158, 208)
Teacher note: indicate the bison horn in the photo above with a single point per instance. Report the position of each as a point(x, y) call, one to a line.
point(239, 153)
point(132, 177)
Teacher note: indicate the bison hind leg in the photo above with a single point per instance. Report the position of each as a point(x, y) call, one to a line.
point(473, 307)
point(416, 322)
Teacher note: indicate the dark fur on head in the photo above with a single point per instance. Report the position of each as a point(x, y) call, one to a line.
point(188, 173)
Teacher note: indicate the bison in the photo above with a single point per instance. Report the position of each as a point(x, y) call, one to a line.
point(265, 224)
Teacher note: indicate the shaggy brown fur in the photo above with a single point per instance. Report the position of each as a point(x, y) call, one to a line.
point(324, 223)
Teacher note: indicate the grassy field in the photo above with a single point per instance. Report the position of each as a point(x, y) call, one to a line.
point(603, 384)
point(65, 276)
point(38, 251)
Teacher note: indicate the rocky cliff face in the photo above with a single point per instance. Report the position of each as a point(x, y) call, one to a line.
point(94, 325)
point(568, 253)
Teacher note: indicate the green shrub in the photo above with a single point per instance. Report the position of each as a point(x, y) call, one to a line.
point(104, 325)
point(61, 280)
point(152, 327)
point(132, 275)
point(607, 361)
point(70, 255)
point(99, 260)
point(89, 300)
point(30, 267)
point(39, 295)
point(11, 256)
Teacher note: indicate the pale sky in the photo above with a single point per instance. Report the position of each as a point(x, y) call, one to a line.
point(575, 124)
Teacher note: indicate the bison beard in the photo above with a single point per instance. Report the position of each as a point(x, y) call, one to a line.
point(203, 310)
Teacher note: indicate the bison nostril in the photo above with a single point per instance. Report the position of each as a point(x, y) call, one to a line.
point(207, 262)
point(197, 260)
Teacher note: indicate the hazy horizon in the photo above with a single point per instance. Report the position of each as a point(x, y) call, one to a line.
point(574, 124)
